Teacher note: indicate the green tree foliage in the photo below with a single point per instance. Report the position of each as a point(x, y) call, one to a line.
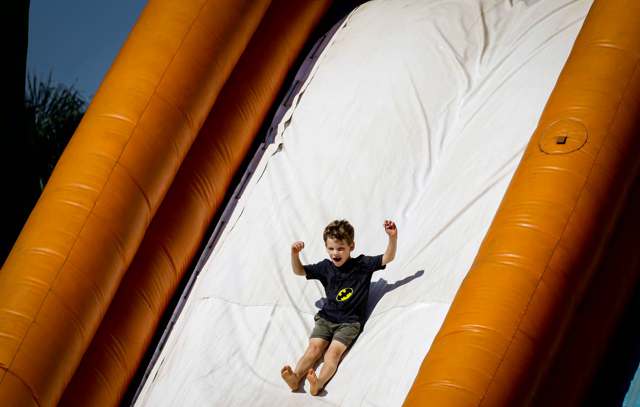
point(53, 113)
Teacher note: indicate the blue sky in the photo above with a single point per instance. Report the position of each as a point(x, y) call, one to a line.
point(78, 40)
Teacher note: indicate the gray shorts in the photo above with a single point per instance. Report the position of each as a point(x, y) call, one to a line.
point(344, 333)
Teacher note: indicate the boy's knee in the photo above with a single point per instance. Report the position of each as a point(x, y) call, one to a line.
point(315, 349)
point(333, 355)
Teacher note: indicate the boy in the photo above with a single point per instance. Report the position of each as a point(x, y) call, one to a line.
point(346, 282)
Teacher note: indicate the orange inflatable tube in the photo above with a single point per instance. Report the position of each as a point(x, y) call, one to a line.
point(178, 228)
point(65, 267)
point(509, 315)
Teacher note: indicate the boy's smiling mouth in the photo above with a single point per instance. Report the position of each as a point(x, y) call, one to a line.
point(338, 261)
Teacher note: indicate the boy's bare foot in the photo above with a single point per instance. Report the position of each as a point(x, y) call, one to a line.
point(291, 378)
point(314, 384)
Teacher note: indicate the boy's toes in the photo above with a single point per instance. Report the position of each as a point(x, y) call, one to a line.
point(314, 386)
point(290, 378)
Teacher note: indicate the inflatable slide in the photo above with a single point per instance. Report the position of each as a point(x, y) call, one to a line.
point(499, 135)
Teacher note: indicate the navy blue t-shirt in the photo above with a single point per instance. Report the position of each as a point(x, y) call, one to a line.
point(346, 287)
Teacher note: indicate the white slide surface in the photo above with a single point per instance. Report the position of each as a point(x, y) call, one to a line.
point(416, 111)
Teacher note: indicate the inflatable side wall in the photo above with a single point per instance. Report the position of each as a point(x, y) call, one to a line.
point(68, 261)
point(84, 287)
point(178, 228)
point(508, 317)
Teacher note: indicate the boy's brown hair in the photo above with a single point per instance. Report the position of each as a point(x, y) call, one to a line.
point(339, 230)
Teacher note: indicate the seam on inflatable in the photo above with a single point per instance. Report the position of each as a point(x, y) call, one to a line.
point(25, 384)
point(135, 182)
point(167, 253)
point(73, 317)
point(133, 130)
point(582, 189)
point(186, 115)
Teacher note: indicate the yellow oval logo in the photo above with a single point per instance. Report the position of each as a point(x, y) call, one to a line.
point(344, 294)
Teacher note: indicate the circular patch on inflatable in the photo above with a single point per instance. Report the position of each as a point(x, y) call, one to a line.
point(563, 136)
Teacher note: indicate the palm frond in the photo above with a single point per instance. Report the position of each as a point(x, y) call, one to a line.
point(53, 113)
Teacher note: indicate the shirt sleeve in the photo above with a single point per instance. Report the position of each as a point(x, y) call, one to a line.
point(313, 271)
point(373, 263)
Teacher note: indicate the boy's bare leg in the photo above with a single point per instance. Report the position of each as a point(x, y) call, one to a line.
point(314, 351)
point(331, 359)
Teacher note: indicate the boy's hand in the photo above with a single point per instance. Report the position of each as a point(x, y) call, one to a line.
point(390, 228)
point(297, 247)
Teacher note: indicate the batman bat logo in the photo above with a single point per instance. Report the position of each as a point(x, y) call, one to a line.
point(344, 294)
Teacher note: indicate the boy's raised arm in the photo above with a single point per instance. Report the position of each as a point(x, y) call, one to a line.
point(296, 264)
point(392, 231)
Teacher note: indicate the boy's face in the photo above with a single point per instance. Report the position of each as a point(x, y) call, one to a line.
point(339, 251)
